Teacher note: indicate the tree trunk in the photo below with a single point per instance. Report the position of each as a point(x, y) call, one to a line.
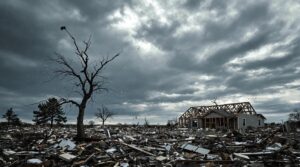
point(51, 124)
point(80, 126)
point(7, 124)
point(103, 123)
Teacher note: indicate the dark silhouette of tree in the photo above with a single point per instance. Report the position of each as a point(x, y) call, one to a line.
point(87, 77)
point(146, 122)
point(11, 117)
point(293, 121)
point(172, 123)
point(51, 111)
point(295, 115)
point(215, 101)
point(103, 114)
point(37, 117)
point(91, 123)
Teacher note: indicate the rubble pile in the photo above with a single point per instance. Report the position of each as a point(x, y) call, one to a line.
point(148, 146)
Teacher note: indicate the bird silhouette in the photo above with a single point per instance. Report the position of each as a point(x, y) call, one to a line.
point(62, 27)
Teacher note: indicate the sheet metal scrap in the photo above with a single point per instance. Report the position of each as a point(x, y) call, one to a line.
point(193, 148)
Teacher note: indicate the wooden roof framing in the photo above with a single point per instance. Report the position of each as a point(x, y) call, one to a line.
point(233, 108)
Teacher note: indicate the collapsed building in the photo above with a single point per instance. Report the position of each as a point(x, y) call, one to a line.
point(237, 116)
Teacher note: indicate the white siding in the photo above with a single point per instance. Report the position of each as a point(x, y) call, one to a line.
point(251, 120)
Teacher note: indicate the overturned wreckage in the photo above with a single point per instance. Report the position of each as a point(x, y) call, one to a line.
point(151, 146)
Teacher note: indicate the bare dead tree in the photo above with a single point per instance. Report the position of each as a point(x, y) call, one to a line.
point(215, 101)
point(103, 114)
point(87, 78)
point(295, 115)
point(146, 122)
point(91, 123)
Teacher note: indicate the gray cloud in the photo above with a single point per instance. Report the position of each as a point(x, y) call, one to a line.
point(173, 54)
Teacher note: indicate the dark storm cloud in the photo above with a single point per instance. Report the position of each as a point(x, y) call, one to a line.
point(244, 84)
point(192, 4)
point(150, 82)
point(292, 57)
point(253, 15)
point(27, 44)
point(276, 106)
point(215, 62)
point(20, 33)
point(94, 9)
point(185, 91)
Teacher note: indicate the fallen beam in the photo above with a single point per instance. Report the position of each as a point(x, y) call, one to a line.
point(136, 148)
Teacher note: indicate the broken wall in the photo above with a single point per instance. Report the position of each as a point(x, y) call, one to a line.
point(251, 121)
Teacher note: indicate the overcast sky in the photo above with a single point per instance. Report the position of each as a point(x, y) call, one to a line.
point(174, 54)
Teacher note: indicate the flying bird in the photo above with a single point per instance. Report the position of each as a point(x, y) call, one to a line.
point(62, 27)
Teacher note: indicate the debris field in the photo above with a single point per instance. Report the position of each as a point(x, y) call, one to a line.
point(139, 146)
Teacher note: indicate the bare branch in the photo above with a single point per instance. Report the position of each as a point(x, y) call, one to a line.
point(215, 101)
point(87, 45)
point(65, 101)
point(74, 40)
point(69, 71)
point(103, 114)
point(103, 63)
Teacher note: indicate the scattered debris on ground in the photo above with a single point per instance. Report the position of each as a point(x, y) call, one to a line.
point(148, 146)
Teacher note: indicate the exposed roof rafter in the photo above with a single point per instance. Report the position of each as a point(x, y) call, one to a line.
point(233, 108)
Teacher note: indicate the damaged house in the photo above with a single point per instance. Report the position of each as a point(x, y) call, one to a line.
point(230, 116)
